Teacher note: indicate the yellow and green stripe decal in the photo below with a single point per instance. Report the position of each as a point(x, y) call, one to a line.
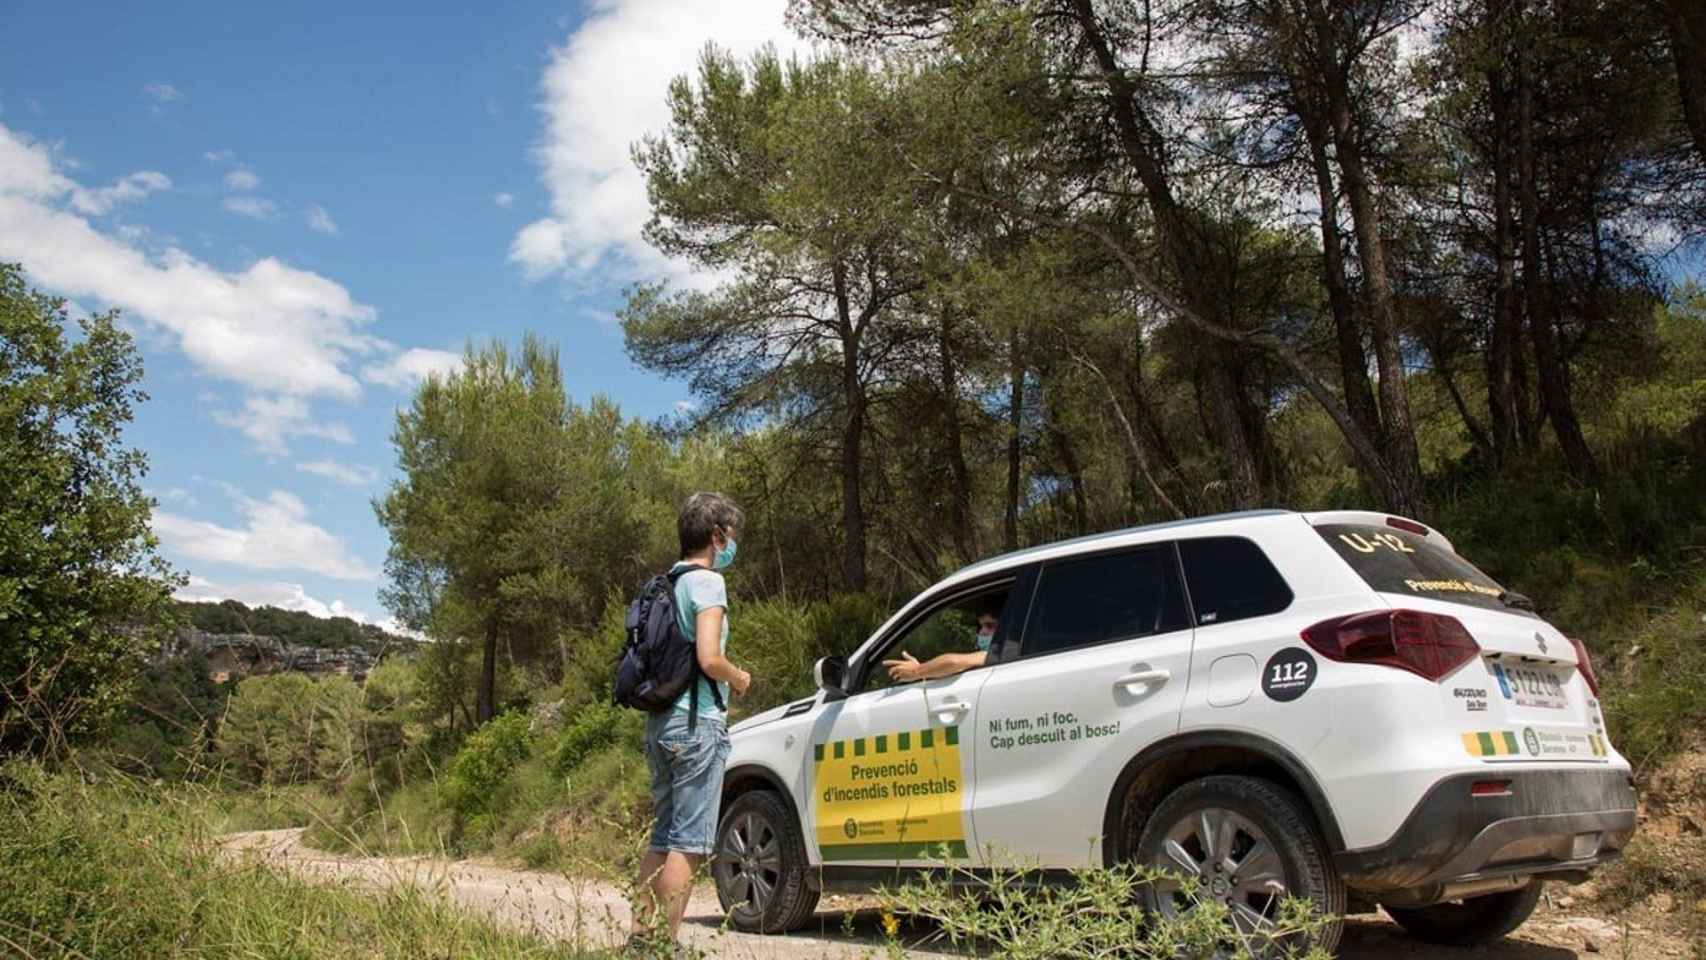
point(1491, 743)
point(890, 796)
point(1597, 743)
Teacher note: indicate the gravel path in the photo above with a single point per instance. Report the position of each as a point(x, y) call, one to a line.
point(594, 914)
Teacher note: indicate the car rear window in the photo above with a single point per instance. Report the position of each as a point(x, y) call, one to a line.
point(1396, 561)
point(1231, 579)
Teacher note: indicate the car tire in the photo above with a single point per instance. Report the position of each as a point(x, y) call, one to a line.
point(1466, 923)
point(1274, 850)
point(759, 866)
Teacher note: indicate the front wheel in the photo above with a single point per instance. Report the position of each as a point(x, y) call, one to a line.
point(760, 866)
point(1466, 923)
point(1248, 843)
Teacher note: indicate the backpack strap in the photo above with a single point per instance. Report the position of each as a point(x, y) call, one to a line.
point(674, 574)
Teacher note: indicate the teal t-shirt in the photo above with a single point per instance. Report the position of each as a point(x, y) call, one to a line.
point(695, 591)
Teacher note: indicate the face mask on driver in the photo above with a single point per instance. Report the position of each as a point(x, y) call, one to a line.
point(983, 640)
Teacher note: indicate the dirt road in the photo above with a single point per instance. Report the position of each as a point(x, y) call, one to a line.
point(595, 914)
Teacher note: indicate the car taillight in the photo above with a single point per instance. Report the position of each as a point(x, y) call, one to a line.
point(1585, 665)
point(1429, 645)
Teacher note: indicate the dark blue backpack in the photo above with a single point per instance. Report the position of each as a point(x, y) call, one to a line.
point(658, 662)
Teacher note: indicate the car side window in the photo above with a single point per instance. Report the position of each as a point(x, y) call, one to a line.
point(1114, 596)
point(950, 628)
point(1231, 579)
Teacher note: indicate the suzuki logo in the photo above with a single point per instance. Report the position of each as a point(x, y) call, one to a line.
point(1541, 641)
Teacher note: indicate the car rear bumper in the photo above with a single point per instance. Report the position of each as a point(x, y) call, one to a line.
point(1550, 821)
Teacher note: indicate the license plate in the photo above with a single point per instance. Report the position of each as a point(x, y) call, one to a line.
point(1532, 687)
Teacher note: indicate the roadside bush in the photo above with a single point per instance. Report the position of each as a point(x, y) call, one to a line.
point(1097, 914)
point(485, 761)
point(594, 728)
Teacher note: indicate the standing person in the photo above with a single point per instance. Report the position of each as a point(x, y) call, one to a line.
point(686, 754)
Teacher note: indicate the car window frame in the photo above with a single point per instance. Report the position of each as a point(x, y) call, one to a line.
point(1170, 547)
point(1019, 582)
point(1184, 578)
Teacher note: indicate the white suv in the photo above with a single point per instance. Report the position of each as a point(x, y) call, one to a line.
point(1324, 705)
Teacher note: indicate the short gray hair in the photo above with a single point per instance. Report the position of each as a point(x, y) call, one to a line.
point(701, 516)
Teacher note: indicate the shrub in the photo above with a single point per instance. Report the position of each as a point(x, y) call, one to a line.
point(1097, 914)
point(486, 759)
point(594, 728)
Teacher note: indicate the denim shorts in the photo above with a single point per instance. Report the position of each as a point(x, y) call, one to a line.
point(687, 780)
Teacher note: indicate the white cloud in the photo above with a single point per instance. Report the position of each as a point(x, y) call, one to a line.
point(603, 90)
point(284, 335)
point(412, 366)
point(269, 421)
point(321, 221)
point(218, 156)
point(504, 200)
point(135, 186)
point(162, 92)
point(260, 208)
point(353, 474)
point(276, 535)
point(685, 406)
point(241, 178)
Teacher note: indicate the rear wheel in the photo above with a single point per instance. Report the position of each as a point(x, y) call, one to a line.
point(1465, 923)
point(1248, 843)
point(760, 866)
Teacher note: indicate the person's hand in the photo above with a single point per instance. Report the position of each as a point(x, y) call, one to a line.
point(740, 683)
point(905, 669)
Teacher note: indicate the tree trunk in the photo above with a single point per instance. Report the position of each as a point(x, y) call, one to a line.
point(1686, 24)
point(1148, 421)
point(1068, 457)
point(1505, 335)
point(1552, 377)
point(852, 441)
point(1398, 433)
point(1141, 144)
point(965, 539)
point(1015, 418)
point(1353, 358)
point(484, 706)
point(1139, 458)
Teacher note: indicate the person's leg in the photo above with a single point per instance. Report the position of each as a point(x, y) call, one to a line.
point(696, 801)
point(644, 911)
point(674, 887)
point(646, 901)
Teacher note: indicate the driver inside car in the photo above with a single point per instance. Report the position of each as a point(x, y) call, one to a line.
point(909, 668)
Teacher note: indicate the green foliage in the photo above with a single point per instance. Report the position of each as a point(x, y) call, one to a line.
point(168, 728)
point(1655, 683)
point(83, 599)
point(119, 870)
point(595, 727)
point(486, 759)
point(295, 627)
point(287, 728)
point(1099, 914)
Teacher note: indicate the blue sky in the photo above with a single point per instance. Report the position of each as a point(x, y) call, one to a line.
point(302, 209)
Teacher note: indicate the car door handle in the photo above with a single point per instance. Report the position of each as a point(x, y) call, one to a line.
point(952, 711)
point(1136, 683)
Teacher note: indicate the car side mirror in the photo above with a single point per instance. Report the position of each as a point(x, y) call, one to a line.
point(830, 673)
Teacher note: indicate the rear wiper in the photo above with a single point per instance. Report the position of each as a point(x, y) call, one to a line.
point(1511, 598)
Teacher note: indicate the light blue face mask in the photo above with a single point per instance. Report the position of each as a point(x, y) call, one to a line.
point(725, 556)
point(983, 640)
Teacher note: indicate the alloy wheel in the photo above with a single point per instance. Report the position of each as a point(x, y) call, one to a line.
point(749, 863)
point(1232, 861)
